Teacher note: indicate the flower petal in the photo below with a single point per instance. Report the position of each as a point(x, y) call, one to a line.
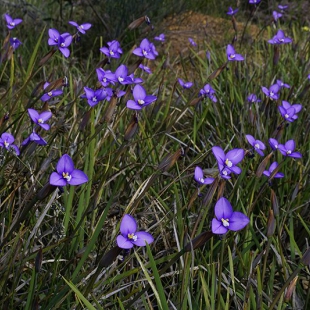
point(65, 164)
point(57, 180)
point(133, 105)
point(219, 154)
point(235, 155)
point(139, 92)
point(223, 209)
point(123, 242)
point(34, 115)
point(238, 221)
point(142, 237)
point(128, 225)
point(78, 177)
point(218, 228)
point(198, 175)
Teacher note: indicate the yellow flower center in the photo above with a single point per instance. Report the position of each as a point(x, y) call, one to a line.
point(66, 176)
point(228, 163)
point(225, 222)
point(132, 237)
point(40, 121)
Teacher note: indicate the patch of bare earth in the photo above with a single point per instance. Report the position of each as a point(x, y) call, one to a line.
point(203, 29)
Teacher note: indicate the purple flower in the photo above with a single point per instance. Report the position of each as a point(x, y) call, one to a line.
point(198, 176)
point(273, 143)
point(192, 42)
point(232, 12)
point(252, 98)
point(141, 99)
point(52, 93)
point(130, 236)
point(231, 54)
point(106, 77)
point(121, 75)
point(40, 119)
point(113, 50)
point(145, 68)
point(229, 161)
point(272, 92)
point(34, 137)
point(226, 219)
point(66, 174)
point(7, 141)
point(134, 80)
point(257, 145)
point(11, 23)
point(273, 166)
point(288, 111)
point(80, 28)
point(282, 84)
point(15, 43)
point(61, 40)
point(208, 55)
point(185, 85)
point(280, 38)
point(94, 96)
point(209, 92)
point(288, 149)
point(254, 1)
point(282, 7)
point(146, 49)
point(160, 38)
point(276, 15)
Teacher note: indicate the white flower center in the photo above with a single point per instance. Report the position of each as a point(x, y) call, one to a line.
point(286, 116)
point(120, 79)
point(232, 56)
point(201, 180)
point(50, 93)
point(271, 94)
point(40, 121)
point(144, 52)
point(94, 99)
point(225, 222)
point(256, 146)
point(111, 53)
point(228, 163)
point(224, 172)
point(288, 152)
point(6, 144)
point(12, 24)
point(141, 101)
point(62, 44)
point(132, 237)
point(66, 176)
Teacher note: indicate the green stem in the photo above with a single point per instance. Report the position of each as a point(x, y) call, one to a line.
point(220, 275)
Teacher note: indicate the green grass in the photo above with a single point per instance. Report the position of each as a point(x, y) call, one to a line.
point(58, 249)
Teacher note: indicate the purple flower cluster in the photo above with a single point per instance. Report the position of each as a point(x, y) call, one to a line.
point(11, 23)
